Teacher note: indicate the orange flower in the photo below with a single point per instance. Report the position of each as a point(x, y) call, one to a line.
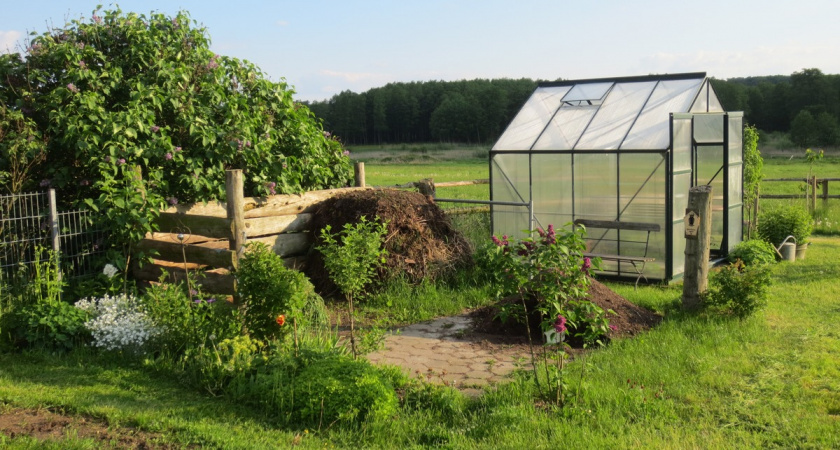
point(281, 319)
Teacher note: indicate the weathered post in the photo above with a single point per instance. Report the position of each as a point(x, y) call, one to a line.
point(698, 234)
point(235, 210)
point(813, 193)
point(359, 171)
point(55, 232)
point(825, 192)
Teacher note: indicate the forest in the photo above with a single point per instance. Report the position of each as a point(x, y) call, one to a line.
point(805, 104)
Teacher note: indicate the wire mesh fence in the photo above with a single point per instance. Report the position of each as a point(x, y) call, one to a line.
point(31, 226)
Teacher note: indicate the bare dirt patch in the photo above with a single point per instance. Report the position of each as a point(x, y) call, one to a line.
point(47, 425)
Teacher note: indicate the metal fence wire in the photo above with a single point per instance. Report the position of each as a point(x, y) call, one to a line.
point(30, 226)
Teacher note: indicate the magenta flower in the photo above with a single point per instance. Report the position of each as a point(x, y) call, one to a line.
point(211, 300)
point(587, 263)
point(560, 324)
point(496, 241)
point(613, 327)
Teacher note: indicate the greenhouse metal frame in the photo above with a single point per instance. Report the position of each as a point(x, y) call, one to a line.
point(622, 150)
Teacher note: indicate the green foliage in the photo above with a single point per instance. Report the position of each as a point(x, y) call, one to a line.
point(215, 365)
point(22, 147)
point(753, 174)
point(587, 321)
point(269, 289)
point(352, 255)
point(123, 90)
point(187, 320)
point(738, 290)
point(50, 326)
point(753, 252)
point(777, 224)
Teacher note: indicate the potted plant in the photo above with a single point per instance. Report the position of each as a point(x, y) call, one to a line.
point(779, 223)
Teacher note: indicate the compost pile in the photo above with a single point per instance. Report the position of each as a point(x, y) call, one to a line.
point(421, 241)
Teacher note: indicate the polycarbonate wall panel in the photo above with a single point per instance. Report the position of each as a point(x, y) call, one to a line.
point(618, 112)
point(552, 189)
point(651, 129)
point(595, 186)
point(682, 144)
point(682, 183)
point(714, 103)
point(735, 185)
point(510, 183)
point(736, 139)
point(678, 250)
point(735, 226)
point(526, 127)
point(565, 128)
point(587, 91)
point(701, 103)
point(643, 199)
point(708, 128)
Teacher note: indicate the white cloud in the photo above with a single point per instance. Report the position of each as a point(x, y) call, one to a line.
point(8, 40)
point(764, 60)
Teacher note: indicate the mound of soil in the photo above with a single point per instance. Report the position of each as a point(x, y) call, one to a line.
point(421, 241)
point(628, 319)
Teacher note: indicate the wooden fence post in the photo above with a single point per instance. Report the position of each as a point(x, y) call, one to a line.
point(813, 182)
point(359, 171)
point(55, 232)
point(235, 211)
point(698, 235)
point(825, 192)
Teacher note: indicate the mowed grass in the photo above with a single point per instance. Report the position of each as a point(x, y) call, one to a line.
point(772, 380)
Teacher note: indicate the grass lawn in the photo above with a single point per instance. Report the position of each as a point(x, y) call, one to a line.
point(772, 380)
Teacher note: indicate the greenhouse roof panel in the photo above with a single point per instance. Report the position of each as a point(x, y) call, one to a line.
point(529, 123)
point(606, 114)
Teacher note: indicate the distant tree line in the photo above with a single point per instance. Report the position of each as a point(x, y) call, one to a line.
point(806, 104)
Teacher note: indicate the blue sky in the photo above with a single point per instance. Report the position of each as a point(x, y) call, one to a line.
point(324, 47)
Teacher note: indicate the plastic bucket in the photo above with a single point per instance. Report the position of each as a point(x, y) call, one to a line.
point(788, 251)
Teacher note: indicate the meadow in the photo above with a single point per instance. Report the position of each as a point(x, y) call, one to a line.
point(695, 381)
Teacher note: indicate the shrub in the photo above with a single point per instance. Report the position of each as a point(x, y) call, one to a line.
point(271, 293)
point(738, 290)
point(187, 319)
point(215, 365)
point(753, 252)
point(51, 326)
point(777, 224)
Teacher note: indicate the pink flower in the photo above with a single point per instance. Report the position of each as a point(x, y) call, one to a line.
point(587, 263)
point(613, 327)
point(155, 128)
point(560, 324)
point(172, 201)
point(177, 149)
point(121, 161)
point(168, 156)
point(72, 88)
point(346, 153)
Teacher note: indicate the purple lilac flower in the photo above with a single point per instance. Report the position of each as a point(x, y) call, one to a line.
point(168, 156)
point(270, 186)
point(45, 183)
point(496, 241)
point(121, 161)
point(560, 324)
point(172, 201)
point(211, 300)
point(197, 301)
point(193, 292)
point(97, 19)
point(72, 88)
point(346, 152)
point(82, 65)
point(327, 134)
point(155, 128)
point(587, 263)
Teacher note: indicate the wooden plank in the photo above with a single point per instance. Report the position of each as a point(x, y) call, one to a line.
point(786, 179)
point(208, 226)
point(198, 254)
point(262, 226)
point(192, 239)
point(263, 206)
point(618, 225)
point(216, 281)
point(287, 244)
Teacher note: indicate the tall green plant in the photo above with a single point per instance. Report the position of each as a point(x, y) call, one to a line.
point(351, 257)
point(753, 174)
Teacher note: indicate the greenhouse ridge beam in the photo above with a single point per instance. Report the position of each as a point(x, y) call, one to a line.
point(633, 79)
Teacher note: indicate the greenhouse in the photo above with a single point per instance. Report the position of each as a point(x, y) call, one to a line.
point(619, 156)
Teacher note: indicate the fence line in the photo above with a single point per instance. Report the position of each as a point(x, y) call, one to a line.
point(31, 223)
point(810, 194)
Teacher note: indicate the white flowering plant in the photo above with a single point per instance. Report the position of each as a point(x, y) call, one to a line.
point(118, 322)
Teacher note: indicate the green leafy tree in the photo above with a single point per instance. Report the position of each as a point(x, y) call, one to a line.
point(753, 174)
point(137, 112)
point(351, 257)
